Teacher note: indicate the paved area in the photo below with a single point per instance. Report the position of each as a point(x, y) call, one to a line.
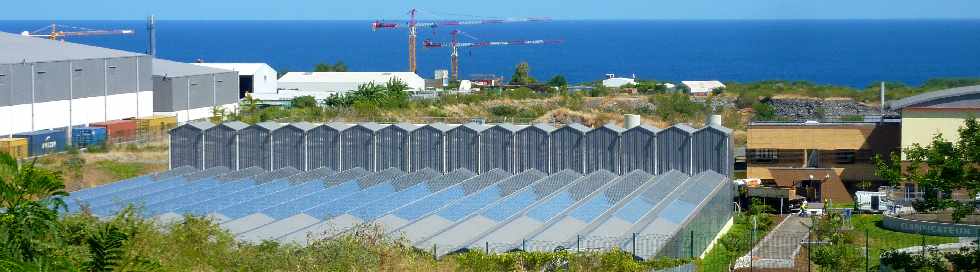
point(780, 247)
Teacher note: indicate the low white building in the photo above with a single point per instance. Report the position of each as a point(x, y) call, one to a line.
point(612, 81)
point(252, 77)
point(703, 87)
point(325, 84)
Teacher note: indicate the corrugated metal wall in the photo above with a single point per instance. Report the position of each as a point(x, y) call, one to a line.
point(640, 149)
point(711, 151)
point(255, 148)
point(463, 148)
point(219, 142)
point(289, 148)
point(531, 150)
point(6, 85)
point(428, 148)
point(568, 149)
point(323, 147)
point(497, 149)
point(357, 145)
point(186, 146)
point(674, 150)
point(603, 150)
point(51, 81)
point(393, 147)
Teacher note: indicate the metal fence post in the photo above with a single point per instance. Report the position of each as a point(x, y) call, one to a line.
point(634, 244)
point(809, 240)
point(692, 244)
point(923, 244)
point(434, 255)
point(578, 242)
point(867, 252)
point(488, 247)
point(524, 245)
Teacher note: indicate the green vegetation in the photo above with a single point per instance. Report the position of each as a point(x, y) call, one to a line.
point(678, 106)
point(941, 166)
point(522, 75)
point(35, 236)
point(121, 170)
point(880, 240)
point(558, 81)
point(739, 239)
point(339, 66)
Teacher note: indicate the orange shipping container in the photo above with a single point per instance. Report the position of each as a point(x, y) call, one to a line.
point(16, 147)
point(118, 130)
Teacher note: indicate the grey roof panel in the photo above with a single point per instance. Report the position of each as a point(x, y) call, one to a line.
point(270, 126)
point(684, 127)
point(578, 127)
point(372, 126)
point(545, 127)
point(508, 126)
point(201, 125)
point(338, 126)
point(304, 126)
point(934, 96)
point(168, 68)
point(615, 128)
point(474, 126)
point(242, 174)
point(235, 125)
point(18, 49)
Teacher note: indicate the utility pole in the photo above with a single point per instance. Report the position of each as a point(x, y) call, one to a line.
point(151, 30)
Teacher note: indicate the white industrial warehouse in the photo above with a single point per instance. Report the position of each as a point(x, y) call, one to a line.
point(322, 85)
point(48, 84)
point(259, 78)
point(190, 92)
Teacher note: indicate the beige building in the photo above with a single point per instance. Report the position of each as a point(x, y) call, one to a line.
point(820, 160)
point(940, 112)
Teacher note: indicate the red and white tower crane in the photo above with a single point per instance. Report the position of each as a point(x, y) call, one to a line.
point(413, 26)
point(454, 46)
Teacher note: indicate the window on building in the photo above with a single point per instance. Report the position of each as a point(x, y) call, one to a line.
point(845, 156)
point(764, 156)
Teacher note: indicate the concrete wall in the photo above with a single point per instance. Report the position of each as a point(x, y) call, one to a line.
point(919, 126)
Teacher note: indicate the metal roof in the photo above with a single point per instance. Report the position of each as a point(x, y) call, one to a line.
point(508, 126)
point(169, 68)
point(201, 125)
point(304, 126)
point(683, 127)
point(372, 126)
point(243, 69)
point(474, 126)
point(545, 127)
point(235, 125)
point(933, 96)
point(578, 127)
point(440, 126)
point(338, 126)
point(270, 126)
point(613, 127)
point(20, 49)
point(645, 127)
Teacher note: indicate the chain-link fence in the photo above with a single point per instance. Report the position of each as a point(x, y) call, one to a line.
point(855, 246)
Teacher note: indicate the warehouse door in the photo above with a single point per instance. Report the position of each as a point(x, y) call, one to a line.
point(245, 86)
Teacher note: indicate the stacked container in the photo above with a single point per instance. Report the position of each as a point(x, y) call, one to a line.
point(15, 147)
point(155, 126)
point(44, 141)
point(88, 136)
point(119, 130)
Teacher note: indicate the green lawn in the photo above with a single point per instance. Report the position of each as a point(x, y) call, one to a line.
point(880, 239)
point(733, 244)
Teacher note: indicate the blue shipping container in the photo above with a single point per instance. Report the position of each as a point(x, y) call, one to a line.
point(44, 141)
point(88, 136)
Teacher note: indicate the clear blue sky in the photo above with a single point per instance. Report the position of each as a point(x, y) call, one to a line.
point(558, 9)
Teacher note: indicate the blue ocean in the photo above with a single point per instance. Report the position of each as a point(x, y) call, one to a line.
point(845, 52)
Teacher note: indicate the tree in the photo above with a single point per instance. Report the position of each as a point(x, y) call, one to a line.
point(558, 81)
point(303, 102)
point(939, 169)
point(522, 75)
point(29, 202)
point(339, 66)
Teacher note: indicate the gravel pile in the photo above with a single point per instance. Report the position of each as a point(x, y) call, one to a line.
point(818, 109)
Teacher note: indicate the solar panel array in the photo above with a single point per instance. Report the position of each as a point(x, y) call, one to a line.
point(447, 147)
point(459, 210)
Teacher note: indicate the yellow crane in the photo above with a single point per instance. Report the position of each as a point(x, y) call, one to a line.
point(56, 32)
